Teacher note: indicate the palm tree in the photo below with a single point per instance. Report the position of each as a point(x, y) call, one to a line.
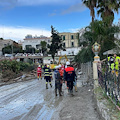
point(103, 34)
point(106, 9)
point(91, 4)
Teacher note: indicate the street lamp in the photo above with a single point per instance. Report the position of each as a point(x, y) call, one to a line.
point(96, 49)
point(96, 63)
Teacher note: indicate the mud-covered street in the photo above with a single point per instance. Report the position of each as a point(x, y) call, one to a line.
point(30, 100)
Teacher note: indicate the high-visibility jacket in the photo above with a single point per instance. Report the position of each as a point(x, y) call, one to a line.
point(117, 62)
point(111, 62)
point(69, 74)
point(47, 72)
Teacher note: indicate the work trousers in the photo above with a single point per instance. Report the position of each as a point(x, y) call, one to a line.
point(70, 85)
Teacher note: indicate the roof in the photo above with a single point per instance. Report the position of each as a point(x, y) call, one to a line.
point(112, 51)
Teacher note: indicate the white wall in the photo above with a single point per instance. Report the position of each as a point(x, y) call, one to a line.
point(70, 51)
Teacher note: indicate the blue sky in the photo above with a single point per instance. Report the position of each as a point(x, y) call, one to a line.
point(21, 17)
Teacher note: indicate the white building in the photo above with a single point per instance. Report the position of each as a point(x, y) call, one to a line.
point(34, 41)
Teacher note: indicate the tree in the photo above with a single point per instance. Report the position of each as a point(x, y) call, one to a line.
point(106, 9)
point(8, 49)
point(29, 49)
point(1, 38)
point(91, 4)
point(56, 43)
point(103, 34)
point(43, 47)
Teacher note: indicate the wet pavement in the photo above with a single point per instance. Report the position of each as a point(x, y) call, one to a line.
point(29, 100)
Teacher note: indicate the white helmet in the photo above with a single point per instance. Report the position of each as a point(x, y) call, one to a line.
point(56, 67)
point(48, 66)
point(38, 65)
point(60, 66)
point(67, 63)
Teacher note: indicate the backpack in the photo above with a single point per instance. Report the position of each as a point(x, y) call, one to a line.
point(56, 75)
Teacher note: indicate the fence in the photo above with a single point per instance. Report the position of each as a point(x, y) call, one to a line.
point(109, 80)
point(86, 73)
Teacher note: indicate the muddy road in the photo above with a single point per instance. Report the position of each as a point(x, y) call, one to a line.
point(30, 100)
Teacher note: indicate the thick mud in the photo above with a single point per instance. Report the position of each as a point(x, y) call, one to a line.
point(29, 100)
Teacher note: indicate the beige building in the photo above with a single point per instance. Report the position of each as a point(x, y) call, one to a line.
point(4, 43)
point(70, 39)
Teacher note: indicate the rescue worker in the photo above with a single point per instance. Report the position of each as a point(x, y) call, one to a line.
point(39, 72)
point(47, 75)
point(116, 60)
point(57, 81)
point(69, 76)
point(111, 62)
point(61, 71)
point(75, 81)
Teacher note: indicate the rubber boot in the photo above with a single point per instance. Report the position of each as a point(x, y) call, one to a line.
point(60, 93)
point(55, 92)
point(75, 88)
point(46, 86)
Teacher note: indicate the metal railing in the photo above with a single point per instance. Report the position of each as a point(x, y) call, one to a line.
point(109, 80)
point(86, 73)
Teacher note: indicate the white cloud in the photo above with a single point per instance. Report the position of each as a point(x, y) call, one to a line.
point(74, 30)
point(19, 33)
point(75, 8)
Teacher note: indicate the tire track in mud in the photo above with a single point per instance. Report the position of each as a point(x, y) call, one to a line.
point(28, 100)
point(7, 99)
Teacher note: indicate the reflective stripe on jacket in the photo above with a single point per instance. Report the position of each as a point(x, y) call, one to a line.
point(117, 62)
point(47, 72)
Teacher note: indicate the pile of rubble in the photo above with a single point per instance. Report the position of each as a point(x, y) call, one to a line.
point(21, 77)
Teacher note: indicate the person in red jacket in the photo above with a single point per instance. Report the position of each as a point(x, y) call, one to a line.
point(69, 76)
point(39, 72)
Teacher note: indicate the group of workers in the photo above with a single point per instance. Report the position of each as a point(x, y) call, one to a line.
point(113, 63)
point(62, 74)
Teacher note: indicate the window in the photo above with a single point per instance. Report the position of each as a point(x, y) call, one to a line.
point(72, 44)
point(63, 37)
point(5, 45)
point(72, 37)
point(63, 44)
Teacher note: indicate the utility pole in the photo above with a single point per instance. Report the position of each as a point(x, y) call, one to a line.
point(12, 47)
